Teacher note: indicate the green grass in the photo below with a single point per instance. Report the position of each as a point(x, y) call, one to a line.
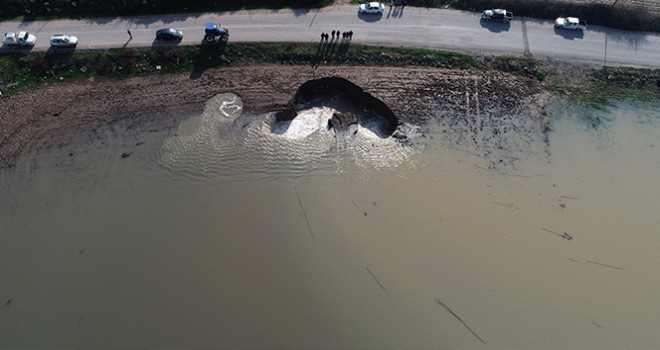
point(20, 72)
point(609, 84)
point(606, 85)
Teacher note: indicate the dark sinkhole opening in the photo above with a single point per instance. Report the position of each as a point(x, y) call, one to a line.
point(352, 106)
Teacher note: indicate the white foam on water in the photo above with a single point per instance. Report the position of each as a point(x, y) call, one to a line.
point(197, 147)
point(305, 123)
point(221, 141)
point(227, 105)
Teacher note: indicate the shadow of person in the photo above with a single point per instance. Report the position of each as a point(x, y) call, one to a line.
point(316, 60)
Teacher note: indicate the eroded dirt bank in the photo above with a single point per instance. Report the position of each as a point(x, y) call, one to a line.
point(415, 95)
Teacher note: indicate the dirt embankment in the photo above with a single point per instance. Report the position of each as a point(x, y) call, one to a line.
point(415, 95)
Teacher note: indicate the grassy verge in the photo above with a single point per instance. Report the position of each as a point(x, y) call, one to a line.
point(621, 83)
point(21, 72)
point(608, 84)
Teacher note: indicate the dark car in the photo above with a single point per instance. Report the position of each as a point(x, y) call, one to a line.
point(169, 34)
point(499, 15)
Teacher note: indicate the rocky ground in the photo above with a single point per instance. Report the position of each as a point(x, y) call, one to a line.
point(464, 101)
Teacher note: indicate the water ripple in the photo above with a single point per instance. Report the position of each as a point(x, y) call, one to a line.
point(224, 142)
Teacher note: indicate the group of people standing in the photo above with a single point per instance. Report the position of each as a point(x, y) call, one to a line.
point(344, 35)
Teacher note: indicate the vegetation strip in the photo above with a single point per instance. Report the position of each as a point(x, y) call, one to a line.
point(21, 72)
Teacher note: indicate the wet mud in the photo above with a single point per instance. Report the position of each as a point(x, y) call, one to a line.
point(473, 105)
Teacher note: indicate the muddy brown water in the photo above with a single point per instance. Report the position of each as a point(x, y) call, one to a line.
point(234, 231)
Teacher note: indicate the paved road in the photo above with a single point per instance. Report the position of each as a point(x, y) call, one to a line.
point(419, 27)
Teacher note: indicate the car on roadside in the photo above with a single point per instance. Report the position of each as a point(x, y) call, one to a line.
point(169, 34)
point(497, 15)
point(19, 39)
point(572, 23)
point(372, 8)
point(63, 40)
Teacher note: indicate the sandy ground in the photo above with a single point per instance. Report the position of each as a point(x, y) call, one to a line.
point(415, 95)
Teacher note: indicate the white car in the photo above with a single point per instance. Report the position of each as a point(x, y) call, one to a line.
point(372, 7)
point(573, 23)
point(62, 40)
point(22, 39)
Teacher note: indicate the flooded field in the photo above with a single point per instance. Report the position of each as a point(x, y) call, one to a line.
point(236, 231)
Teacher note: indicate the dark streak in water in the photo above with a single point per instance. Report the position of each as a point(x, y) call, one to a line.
point(508, 205)
point(565, 235)
point(567, 197)
point(437, 301)
point(377, 281)
point(303, 211)
point(80, 319)
point(606, 265)
point(596, 324)
point(507, 174)
point(357, 206)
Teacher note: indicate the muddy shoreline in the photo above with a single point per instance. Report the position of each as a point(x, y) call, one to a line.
point(415, 95)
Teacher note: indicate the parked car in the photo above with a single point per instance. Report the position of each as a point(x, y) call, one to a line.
point(169, 34)
point(63, 40)
point(20, 39)
point(572, 23)
point(498, 15)
point(372, 7)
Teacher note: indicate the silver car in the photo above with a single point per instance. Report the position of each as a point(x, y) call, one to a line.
point(372, 7)
point(63, 40)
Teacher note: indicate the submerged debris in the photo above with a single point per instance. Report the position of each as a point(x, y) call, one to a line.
point(437, 301)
